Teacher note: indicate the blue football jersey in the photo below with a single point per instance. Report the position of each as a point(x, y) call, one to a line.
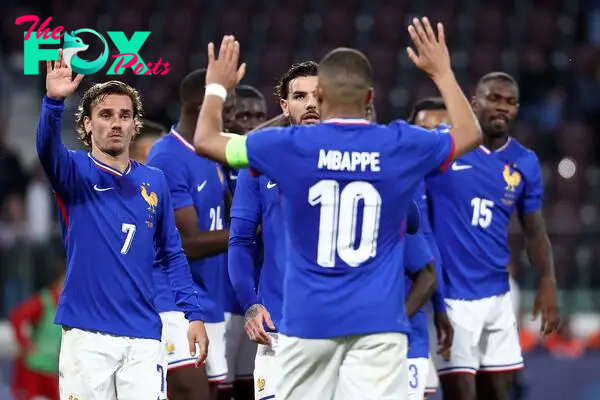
point(472, 204)
point(345, 186)
point(114, 225)
point(200, 183)
point(416, 255)
point(231, 175)
point(257, 200)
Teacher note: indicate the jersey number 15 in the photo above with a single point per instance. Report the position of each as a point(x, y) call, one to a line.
point(339, 219)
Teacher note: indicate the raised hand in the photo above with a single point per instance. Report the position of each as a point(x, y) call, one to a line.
point(225, 70)
point(59, 78)
point(431, 53)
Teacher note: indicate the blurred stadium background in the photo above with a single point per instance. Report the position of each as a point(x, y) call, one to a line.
point(552, 47)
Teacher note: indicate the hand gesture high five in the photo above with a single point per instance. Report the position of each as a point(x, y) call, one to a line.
point(224, 70)
point(431, 54)
point(59, 78)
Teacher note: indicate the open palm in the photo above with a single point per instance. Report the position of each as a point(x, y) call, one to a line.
point(59, 78)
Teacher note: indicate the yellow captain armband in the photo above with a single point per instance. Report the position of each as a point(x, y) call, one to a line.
point(236, 153)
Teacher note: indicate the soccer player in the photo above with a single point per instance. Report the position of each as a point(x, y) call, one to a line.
point(256, 203)
point(472, 204)
point(250, 111)
point(198, 187)
point(150, 132)
point(35, 371)
point(430, 113)
point(420, 284)
point(116, 216)
point(345, 187)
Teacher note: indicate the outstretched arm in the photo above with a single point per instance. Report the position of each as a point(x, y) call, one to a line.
point(54, 156)
point(222, 75)
point(433, 58)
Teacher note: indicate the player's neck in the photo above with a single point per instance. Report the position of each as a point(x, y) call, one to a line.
point(347, 112)
point(120, 162)
point(186, 128)
point(494, 142)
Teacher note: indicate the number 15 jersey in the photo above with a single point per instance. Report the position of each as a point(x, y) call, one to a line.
point(472, 204)
point(345, 188)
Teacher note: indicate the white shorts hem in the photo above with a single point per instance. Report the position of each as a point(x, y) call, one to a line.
point(457, 370)
point(502, 368)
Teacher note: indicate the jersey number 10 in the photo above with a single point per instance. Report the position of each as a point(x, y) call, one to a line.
point(338, 221)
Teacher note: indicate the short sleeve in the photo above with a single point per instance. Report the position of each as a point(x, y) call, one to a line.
point(267, 149)
point(246, 200)
point(531, 198)
point(176, 175)
point(434, 148)
point(416, 253)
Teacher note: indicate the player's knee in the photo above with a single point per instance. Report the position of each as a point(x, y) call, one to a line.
point(459, 387)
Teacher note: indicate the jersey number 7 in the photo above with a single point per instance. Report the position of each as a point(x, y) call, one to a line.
point(338, 223)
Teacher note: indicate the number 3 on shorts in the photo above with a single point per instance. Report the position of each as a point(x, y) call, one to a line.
point(413, 379)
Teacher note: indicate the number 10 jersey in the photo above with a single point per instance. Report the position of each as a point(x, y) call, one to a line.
point(345, 188)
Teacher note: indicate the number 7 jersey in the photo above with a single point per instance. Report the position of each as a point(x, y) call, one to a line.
point(345, 188)
point(471, 208)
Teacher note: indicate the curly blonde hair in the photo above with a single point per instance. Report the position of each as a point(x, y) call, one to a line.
point(95, 95)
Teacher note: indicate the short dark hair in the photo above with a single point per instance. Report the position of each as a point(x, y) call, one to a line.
point(345, 75)
point(191, 89)
point(95, 95)
point(307, 68)
point(151, 128)
point(426, 104)
point(248, 92)
point(497, 76)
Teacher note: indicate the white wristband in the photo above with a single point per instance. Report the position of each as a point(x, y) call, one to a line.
point(216, 89)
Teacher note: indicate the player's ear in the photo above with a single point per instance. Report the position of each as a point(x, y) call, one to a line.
point(370, 96)
point(285, 109)
point(87, 124)
point(474, 103)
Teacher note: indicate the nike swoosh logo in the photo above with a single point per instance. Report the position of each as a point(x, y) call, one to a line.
point(232, 176)
point(271, 185)
point(201, 186)
point(99, 189)
point(457, 167)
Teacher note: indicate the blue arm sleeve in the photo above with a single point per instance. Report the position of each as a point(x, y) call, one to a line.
point(416, 253)
point(55, 158)
point(438, 298)
point(242, 235)
point(531, 199)
point(245, 217)
point(170, 255)
point(267, 149)
point(434, 149)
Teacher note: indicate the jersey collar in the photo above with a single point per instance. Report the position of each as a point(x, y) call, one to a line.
point(501, 148)
point(347, 121)
point(181, 140)
point(108, 168)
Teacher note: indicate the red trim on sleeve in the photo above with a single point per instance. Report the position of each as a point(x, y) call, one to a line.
point(446, 163)
point(254, 173)
point(62, 208)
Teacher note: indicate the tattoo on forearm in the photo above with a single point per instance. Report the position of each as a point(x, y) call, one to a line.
point(252, 312)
